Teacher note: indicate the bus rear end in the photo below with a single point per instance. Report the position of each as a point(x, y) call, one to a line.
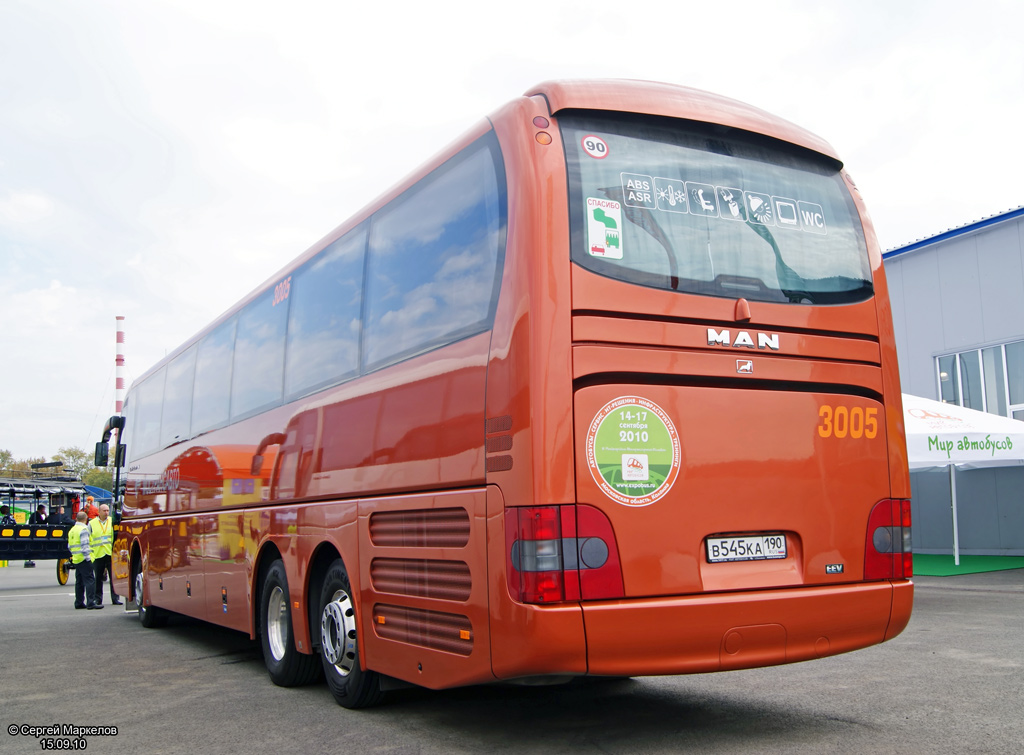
point(741, 492)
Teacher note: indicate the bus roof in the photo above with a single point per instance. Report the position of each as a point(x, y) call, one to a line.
point(673, 101)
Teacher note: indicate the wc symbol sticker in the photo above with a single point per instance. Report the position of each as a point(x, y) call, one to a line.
point(604, 228)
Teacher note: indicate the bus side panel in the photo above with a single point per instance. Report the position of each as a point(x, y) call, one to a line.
point(332, 526)
point(415, 425)
point(228, 558)
point(120, 560)
point(175, 565)
point(527, 640)
point(529, 376)
point(423, 588)
point(898, 461)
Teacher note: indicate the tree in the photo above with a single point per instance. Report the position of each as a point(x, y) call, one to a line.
point(99, 477)
point(23, 467)
point(76, 461)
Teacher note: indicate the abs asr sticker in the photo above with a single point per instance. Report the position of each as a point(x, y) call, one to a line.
point(633, 451)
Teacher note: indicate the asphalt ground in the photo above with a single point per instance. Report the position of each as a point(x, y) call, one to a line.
point(952, 682)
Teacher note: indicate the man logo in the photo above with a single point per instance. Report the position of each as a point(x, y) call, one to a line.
point(744, 367)
point(743, 339)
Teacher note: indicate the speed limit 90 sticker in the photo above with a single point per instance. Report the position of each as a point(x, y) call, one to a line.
point(633, 451)
point(595, 146)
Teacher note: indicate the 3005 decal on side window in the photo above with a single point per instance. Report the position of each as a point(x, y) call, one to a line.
point(847, 422)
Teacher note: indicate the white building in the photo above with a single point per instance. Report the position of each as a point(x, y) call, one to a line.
point(958, 311)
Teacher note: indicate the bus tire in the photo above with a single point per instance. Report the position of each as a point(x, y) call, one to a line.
point(63, 570)
point(286, 665)
point(351, 685)
point(149, 616)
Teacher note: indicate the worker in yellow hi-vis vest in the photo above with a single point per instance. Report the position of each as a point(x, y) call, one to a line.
point(81, 559)
point(101, 540)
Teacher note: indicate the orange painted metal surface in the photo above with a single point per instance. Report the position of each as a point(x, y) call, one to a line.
point(429, 631)
point(371, 470)
point(725, 631)
point(652, 98)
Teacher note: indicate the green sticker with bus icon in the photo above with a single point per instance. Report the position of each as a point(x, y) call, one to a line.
point(604, 228)
point(633, 451)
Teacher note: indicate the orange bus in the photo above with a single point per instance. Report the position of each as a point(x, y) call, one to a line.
point(608, 388)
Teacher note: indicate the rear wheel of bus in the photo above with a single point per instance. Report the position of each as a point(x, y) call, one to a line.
point(286, 665)
point(351, 685)
point(149, 616)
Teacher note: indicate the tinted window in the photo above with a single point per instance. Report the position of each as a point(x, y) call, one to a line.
point(948, 383)
point(434, 258)
point(258, 373)
point(177, 412)
point(128, 434)
point(995, 382)
point(323, 322)
point(1015, 371)
point(685, 207)
point(970, 380)
point(213, 379)
point(147, 401)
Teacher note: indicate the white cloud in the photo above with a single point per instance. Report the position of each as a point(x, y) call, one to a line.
point(291, 154)
point(18, 207)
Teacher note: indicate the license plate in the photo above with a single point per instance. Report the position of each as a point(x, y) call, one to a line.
point(746, 548)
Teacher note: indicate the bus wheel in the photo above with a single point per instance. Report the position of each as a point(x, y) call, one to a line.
point(63, 570)
point(149, 616)
point(286, 665)
point(352, 686)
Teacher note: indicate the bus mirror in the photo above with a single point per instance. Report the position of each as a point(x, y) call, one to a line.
point(114, 423)
point(102, 453)
point(120, 455)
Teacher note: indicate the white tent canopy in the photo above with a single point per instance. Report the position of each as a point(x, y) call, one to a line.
point(947, 435)
point(942, 434)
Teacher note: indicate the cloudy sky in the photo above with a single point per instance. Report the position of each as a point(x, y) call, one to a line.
point(160, 159)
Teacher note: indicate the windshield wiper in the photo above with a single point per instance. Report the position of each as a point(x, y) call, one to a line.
point(643, 219)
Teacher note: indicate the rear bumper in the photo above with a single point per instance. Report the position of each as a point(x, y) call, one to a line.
point(724, 631)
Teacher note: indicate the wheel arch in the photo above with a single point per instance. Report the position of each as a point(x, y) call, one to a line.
point(134, 562)
point(266, 556)
point(325, 555)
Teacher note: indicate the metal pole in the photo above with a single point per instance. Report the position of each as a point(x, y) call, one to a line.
point(956, 531)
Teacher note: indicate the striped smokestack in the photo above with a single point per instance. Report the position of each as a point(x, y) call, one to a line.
point(119, 373)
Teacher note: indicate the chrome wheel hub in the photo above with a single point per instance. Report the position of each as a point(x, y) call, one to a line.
point(138, 592)
point(338, 633)
point(277, 623)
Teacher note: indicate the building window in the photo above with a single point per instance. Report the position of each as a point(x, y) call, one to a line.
point(989, 380)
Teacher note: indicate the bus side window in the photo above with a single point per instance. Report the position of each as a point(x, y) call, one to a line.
point(434, 252)
point(257, 375)
point(213, 379)
point(324, 317)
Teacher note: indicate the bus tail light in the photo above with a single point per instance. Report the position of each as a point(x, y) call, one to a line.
point(561, 553)
point(887, 552)
point(535, 566)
